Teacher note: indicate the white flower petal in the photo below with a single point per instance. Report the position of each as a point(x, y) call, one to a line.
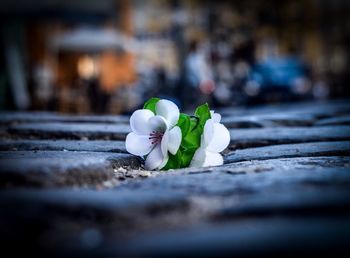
point(154, 159)
point(164, 143)
point(198, 158)
point(203, 158)
point(165, 160)
point(212, 159)
point(216, 136)
point(139, 121)
point(216, 117)
point(157, 123)
point(169, 111)
point(208, 133)
point(175, 137)
point(139, 145)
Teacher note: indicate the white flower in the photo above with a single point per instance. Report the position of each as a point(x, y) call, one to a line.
point(155, 134)
point(215, 139)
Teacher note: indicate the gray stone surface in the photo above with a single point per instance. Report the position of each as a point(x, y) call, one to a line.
point(58, 223)
point(342, 120)
point(60, 168)
point(250, 177)
point(290, 150)
point(63, 145)
point(243, 138)
point(44, 117)
point(108, 203)
point(263, 237)
point(267, 120)
point(70, 131)
point(285, 164)
point(283, 190)
point(315, 109)
point(272, 164)
point(148, 218)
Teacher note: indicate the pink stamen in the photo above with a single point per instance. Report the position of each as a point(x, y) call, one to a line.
point(156, 137)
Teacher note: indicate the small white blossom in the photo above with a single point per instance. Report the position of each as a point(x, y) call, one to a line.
point(215, 139)
point(155, 134)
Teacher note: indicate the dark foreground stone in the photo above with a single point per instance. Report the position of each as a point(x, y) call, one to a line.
point(263, 237)
point(195, 212)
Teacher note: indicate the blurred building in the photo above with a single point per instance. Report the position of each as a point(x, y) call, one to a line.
point(109, 56)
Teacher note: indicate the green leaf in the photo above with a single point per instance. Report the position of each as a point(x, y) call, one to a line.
point(184, 123)
point(193, 136)
point(192, 130)
point(203, 113)
point(174, 161)
point(151, 104)
point(187, 156)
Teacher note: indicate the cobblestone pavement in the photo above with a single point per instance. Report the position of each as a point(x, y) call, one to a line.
point(68, 188)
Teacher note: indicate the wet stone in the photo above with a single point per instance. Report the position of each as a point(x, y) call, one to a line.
point(60, 168)
point(63, 145)
point(290, 150)
point(251, 137)
point(70, 131)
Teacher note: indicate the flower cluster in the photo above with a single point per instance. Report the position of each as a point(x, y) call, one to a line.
point(168, 139)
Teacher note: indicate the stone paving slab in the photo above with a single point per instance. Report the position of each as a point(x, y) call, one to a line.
point(225, 181)
point(307, 202)
point(70, 131)
point(316, 109)
point(106, 203)
point(71, 220)
point(257, 166)
point(290, 150)
point(251, 137)
point(58, 168)
point(7, 118)
point(342, 120)
point(247, 198)
point(63, 145)
point(286, 164)
point(283, 190)
point(263, 237)
point(268, 120)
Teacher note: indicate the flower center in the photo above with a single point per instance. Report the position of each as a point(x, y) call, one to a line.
point(156, 137)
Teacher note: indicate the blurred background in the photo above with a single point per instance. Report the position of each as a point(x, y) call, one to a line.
point(109, 56)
